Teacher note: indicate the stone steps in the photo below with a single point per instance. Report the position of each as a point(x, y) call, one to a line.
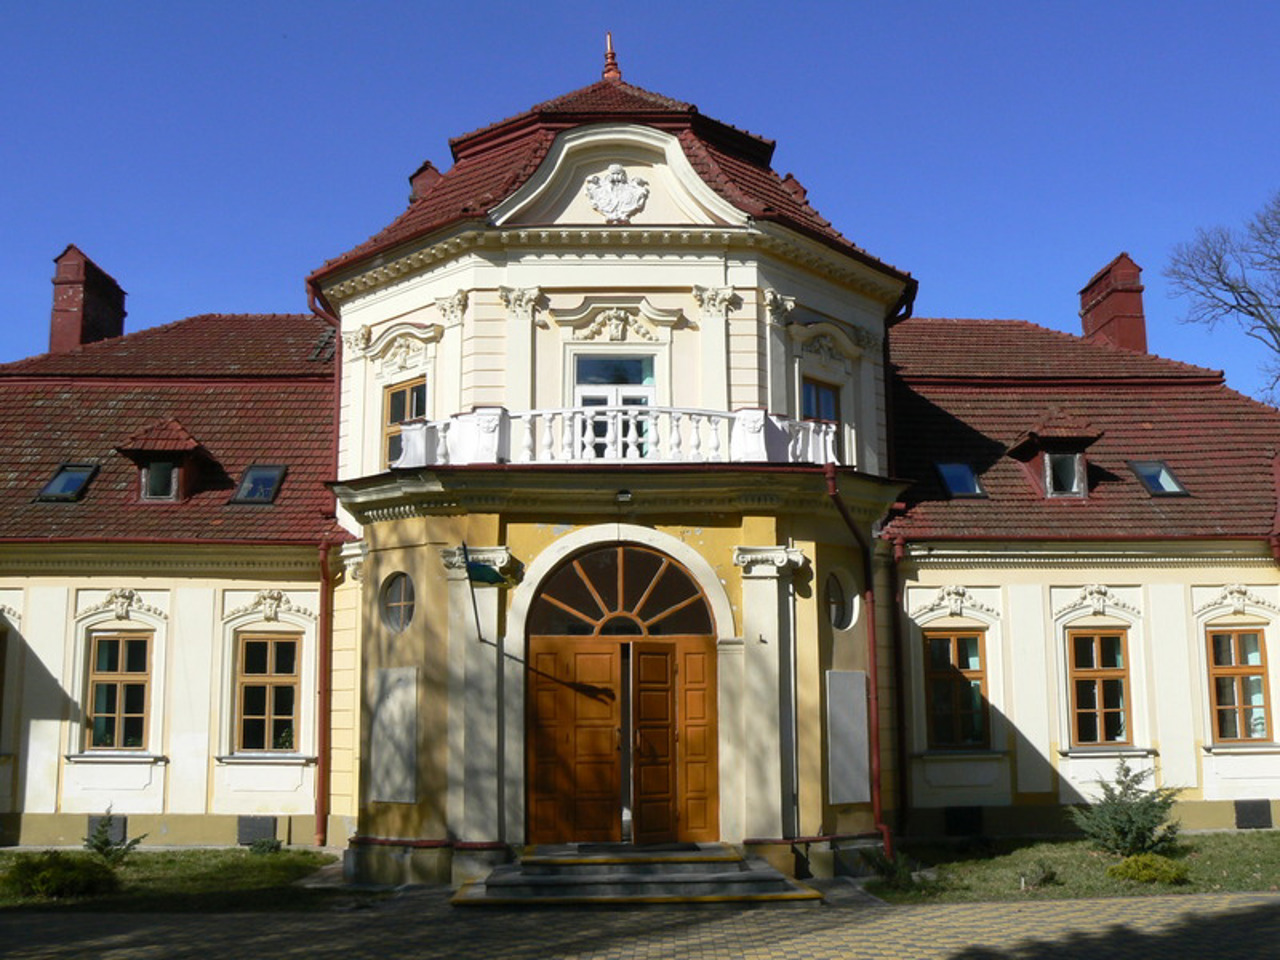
point(620, 874)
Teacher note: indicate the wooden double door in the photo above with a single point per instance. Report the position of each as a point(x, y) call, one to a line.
point(621, 702)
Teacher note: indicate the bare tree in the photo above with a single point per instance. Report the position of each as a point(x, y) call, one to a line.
point(1235, 275)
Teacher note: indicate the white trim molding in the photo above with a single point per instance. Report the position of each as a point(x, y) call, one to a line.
point(769, 561)
point(1098, 599)
point(955, 601)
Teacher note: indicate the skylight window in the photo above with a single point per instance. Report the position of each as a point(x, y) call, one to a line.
point(260, 484)
point(1157, 478)
point(960, 480)
point(70, 481)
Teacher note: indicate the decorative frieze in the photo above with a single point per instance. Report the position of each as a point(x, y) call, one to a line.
point(270, 604)
point(123, 603)
point(956, 601)
point(1238, 597)
point(614, 325)
point(1098, 599)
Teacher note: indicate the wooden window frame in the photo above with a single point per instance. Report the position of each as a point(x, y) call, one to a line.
point(1097, 675)
point(118, 680)
point(270, 680)
point(391, 428)
point(960, 682)
point(1237, 672)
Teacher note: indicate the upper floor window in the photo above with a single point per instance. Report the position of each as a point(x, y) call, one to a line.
point(820, 401)
point(161, 479)
point(1157, 478)
point(405, 401)
point(119, 690)
point(397, 602)
point(1099, 676)
point(955, 690)
point(69, 482)
point(614, 381)
point(960, 479)
point(1238, 684)
point(1064, 474)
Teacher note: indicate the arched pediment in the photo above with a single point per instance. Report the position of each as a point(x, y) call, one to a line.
point(617, 318)
point(619, 174)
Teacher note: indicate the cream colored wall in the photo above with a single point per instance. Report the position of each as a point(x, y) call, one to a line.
point(1164, 602)
point(193, 621)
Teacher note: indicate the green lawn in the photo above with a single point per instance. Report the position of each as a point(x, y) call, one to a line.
point(196, 881)
point(1015, 870)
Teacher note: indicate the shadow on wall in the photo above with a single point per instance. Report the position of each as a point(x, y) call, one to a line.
point(35, 698)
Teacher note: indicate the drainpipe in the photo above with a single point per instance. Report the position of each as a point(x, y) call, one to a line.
point(899, 682)
point(324, 694)
point(873, 674)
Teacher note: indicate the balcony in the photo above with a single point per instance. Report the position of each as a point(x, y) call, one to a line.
point(607, 435)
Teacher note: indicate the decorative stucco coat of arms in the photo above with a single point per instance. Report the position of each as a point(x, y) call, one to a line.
point(615, 196)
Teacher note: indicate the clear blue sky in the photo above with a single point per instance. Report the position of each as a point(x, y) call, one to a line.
point(210, 155)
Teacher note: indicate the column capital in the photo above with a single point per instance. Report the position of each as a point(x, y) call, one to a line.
point(499, 559)
point(772, 561)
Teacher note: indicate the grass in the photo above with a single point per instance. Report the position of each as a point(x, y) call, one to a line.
point(201, 881)
point(1016, 870)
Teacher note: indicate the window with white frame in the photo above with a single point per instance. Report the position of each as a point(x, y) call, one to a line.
point(401, 403)
point(616, 383)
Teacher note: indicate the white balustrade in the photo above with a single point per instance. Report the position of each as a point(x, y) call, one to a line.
point(615, 434)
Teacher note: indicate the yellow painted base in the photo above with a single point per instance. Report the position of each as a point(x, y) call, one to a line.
point(161, 830)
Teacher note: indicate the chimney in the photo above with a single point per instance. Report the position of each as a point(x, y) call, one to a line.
point(88, 305)
point(423, 179)
point(1111, 305)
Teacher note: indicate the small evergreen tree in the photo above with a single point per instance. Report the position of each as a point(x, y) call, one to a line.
point(1129, 818)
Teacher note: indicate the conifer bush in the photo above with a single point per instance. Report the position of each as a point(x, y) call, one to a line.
point(1149, 868)
point(54, 874)
point(1129, 818)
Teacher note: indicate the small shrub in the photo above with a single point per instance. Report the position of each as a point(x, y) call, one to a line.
point(1149, 868)
point(897, 872)
point(265, 845)
point(1039, 874)
point(55, 874)
point(112, 852)
point(1129, 818)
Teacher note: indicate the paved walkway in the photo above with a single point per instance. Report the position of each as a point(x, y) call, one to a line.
point(420, 923)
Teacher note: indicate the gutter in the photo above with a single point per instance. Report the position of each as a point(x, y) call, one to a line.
point(873, 673)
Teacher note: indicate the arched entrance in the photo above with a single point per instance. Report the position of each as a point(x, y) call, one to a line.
point(621, 698)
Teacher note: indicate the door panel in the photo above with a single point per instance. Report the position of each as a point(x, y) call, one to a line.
point(573, 741)
point(653, 696)
point(699, 793)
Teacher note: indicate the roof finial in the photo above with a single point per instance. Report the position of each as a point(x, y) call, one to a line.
point(611, 71)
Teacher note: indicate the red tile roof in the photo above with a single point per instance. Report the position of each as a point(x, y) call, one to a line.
point(495, 161)
point(212, 345)
point(245, 388)
point(968, 390)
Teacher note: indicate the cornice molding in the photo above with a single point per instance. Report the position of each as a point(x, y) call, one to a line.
point(298, 563)
point(628, 240)
point(8, 613)
point(951, 555)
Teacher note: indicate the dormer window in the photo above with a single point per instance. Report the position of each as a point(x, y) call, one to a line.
point(161, 479)
point(260, 484)
point(960, 479)
point(69, 483)
point(1157, 478)
point(1064, 474)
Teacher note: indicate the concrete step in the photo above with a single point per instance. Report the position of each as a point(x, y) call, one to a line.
point(616, 873)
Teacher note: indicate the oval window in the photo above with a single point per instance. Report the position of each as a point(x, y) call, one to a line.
point(839, 609)
point(397, 602)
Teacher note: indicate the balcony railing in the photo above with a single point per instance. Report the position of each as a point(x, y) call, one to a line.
point(623, 434)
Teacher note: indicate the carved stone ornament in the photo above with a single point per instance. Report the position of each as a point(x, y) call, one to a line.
point(824, 348)
point(615, 324)
point(452, 308)
point(122, 602)
point(715, 301)
point(1237, 596)
point(353, 556)
point(522, 304)
point(357, 342)
point(499, 558)
point(1097, 598)
point(768, 561)
point(270, 604)
point(955, 600)
point(616, 197)
point(779, 307)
